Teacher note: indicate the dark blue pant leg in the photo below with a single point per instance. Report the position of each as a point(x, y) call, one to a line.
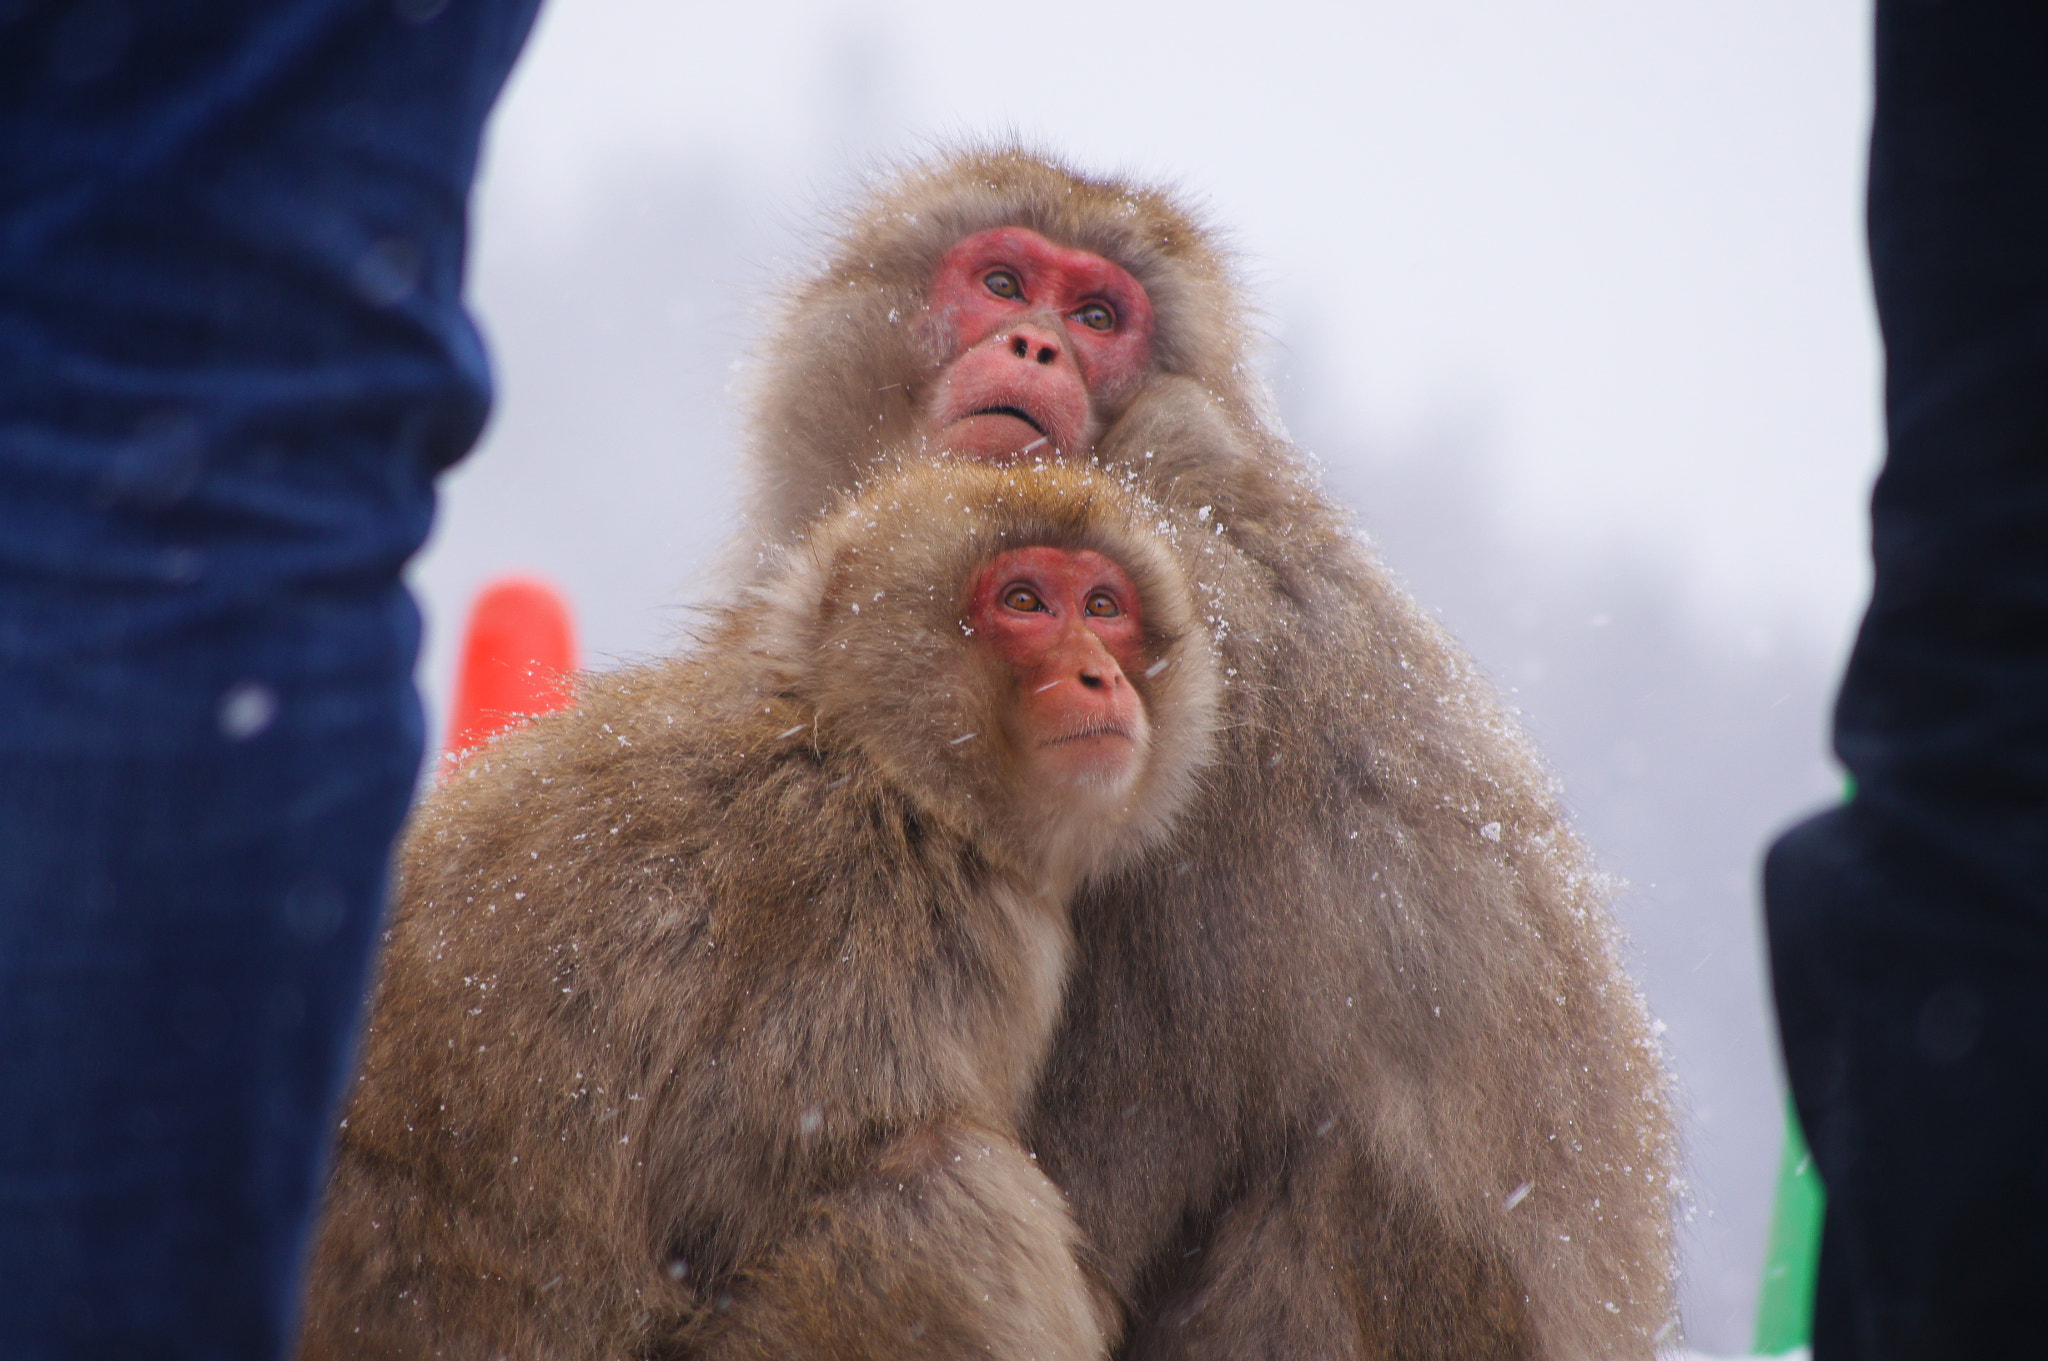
point(232, 358)
point(1909, 929)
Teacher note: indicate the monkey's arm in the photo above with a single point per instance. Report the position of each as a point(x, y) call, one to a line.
point(952, 1243)
point(1319, 1259)
point(863, 1200)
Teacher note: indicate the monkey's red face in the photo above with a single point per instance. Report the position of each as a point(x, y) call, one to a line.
point(1068, 628)
point(1040, 335)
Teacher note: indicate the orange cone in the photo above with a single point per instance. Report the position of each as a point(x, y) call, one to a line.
point(518, 662)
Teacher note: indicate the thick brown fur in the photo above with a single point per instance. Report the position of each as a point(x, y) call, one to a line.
point(1349, 1066)
point(708, 1009)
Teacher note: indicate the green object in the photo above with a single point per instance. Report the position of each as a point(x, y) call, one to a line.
point(1784, 1312)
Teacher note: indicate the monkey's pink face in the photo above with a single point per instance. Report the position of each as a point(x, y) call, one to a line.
point(1039, 335)
point(1067, 626)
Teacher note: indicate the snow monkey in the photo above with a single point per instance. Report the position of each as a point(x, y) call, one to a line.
point(1349, 1066)
point(709, 1009)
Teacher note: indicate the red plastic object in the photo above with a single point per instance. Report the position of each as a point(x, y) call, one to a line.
point(518, 662)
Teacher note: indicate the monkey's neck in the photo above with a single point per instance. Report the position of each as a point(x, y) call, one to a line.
point(1054, 850)
point(1039, 942)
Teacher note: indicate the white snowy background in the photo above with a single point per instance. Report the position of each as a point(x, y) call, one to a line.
point(1568, 299)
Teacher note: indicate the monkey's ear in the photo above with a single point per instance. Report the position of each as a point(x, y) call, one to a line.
point(780, 614)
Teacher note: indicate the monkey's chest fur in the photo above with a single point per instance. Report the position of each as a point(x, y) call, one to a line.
point(660, 971)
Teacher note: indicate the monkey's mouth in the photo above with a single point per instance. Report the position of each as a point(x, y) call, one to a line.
point(1090, 733)
point(1014, 413)
point(997, 433)
point(1102, 757)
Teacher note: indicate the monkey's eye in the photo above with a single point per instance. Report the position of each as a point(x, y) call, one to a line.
point(1022, 599)
point(1096, 316)
point(1102, 605)
point(1003, 284)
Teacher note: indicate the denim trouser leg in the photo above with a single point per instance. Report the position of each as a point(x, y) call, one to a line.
point(232, 359)
point(1909, 929)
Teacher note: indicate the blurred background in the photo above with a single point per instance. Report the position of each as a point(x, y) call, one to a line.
point(1567, 299)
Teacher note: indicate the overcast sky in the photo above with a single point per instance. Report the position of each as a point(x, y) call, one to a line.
point(1620, 239)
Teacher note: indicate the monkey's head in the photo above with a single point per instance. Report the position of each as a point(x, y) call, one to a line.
point(1015, 648)
point(1040, 343)
point(1061, 631)
point(994, 305)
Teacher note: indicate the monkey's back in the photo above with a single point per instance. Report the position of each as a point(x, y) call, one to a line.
point(617, 935)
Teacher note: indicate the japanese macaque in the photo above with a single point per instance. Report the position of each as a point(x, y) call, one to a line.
point(709, 1009)
point(1348, 1066)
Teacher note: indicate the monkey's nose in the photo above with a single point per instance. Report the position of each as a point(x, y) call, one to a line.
point(1033, 344)
point(1092, 680)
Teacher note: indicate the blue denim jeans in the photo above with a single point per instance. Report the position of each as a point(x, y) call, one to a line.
point(233, 356)
point(1909, 929)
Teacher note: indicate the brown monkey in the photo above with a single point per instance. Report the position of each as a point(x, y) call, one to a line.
point(709, 1008)
point(1348, 1067)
